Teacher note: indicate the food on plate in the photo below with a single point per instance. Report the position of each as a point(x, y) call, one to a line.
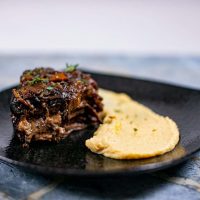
point(49, 104)
point(130, 130)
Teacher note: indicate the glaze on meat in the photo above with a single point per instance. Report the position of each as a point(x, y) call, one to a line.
point(49, 105)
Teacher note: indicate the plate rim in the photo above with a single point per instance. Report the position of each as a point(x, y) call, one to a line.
point(152, 167)
point(91, 173)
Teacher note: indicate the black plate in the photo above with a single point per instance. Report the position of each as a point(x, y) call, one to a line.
point(70, 157)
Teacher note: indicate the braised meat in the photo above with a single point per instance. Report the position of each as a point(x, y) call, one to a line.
point(49, 104)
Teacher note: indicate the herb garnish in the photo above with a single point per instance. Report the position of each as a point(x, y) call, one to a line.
point(49, 88)
point(71, 68)
point(37, 79)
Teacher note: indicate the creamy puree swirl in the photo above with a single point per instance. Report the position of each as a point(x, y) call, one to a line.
point(130, 130)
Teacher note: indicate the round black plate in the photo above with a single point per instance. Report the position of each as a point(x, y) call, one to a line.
point(70, 157)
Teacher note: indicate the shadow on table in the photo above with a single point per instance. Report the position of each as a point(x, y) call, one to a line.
point(141, 186)
point(118, 188)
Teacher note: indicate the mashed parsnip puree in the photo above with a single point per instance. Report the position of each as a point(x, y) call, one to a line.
point(132, 131)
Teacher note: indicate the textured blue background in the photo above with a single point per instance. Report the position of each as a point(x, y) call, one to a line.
point(181, 182)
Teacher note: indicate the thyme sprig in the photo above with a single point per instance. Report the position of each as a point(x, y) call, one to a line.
point(38, 79)
point(71, 68)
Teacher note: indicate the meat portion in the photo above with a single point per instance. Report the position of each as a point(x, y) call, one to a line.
point(49, 105)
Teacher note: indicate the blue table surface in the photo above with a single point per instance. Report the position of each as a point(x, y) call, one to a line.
point(180, 182)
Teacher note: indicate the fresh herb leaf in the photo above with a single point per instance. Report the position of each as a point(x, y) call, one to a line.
point(71, 68)
point(37, 79)
point(49, 88)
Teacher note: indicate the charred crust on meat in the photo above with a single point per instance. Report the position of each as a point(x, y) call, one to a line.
point(49, 104)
